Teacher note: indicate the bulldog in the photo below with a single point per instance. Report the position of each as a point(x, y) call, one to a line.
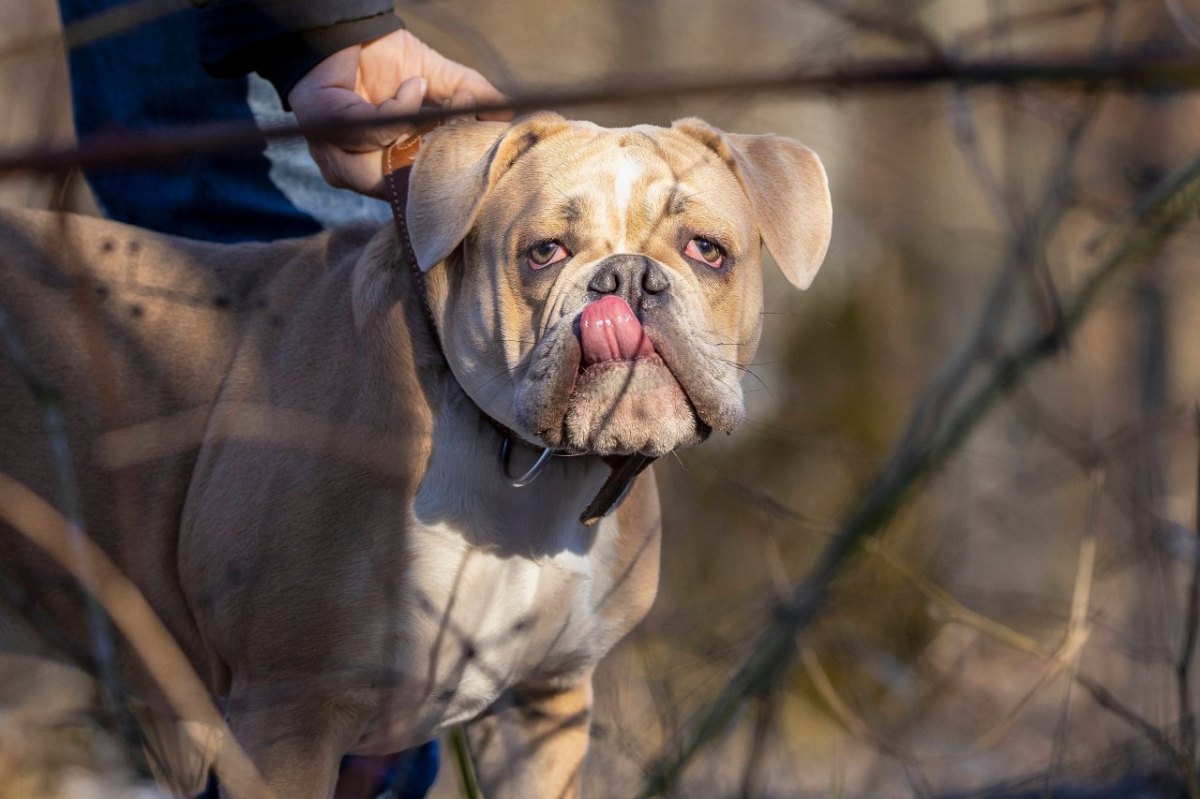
point(376, 483)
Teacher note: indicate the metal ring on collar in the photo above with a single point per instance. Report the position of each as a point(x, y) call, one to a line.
point(534, 470)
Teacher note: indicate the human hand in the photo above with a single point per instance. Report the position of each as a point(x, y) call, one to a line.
point(388, 76)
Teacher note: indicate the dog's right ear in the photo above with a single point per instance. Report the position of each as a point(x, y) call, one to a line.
point(455, 167)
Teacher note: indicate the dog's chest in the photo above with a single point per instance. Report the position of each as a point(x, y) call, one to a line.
point(479, 620)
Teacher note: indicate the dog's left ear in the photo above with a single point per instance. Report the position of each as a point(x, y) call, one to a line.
point(455, 167)
point(787, 189)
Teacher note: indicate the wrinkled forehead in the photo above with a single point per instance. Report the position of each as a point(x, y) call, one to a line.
point(627, 176)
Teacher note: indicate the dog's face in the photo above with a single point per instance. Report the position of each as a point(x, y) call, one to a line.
point(599, 290)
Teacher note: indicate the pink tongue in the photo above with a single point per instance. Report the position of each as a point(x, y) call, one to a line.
point(610, 332)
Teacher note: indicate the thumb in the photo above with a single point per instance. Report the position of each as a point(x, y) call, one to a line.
point(410, 94)
point(407, 100)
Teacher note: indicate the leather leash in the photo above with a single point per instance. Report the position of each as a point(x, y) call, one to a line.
point(397, 162)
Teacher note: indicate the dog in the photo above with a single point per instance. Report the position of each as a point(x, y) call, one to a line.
point(293, 450)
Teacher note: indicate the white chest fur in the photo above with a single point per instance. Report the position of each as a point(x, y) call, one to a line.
point(502, 586)
point(482, 620)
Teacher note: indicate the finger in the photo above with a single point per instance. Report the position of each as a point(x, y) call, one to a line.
point(411, 93)
point(357, 128)
point(484, 93)
point(352, 161)
point(407, 100)
point(350, 115)
point(462, 99)
point(447, 77)
point(360, 172)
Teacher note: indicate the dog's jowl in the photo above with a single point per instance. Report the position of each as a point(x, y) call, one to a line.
point(306, 455)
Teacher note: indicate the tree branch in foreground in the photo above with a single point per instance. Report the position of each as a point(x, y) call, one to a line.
point(117, 149)
point(1160, 212)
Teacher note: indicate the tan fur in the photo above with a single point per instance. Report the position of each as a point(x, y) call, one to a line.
point(269, 440)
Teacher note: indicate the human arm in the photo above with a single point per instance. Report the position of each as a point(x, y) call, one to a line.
point(339, 60)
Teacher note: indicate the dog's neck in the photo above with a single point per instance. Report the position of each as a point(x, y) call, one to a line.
point(464, 488)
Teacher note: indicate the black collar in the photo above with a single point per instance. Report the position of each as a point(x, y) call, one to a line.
point(397, 163)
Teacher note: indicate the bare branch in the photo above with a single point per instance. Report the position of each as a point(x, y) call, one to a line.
point(764, 719)
point(117, 149)
point(31, 516)
point(1187, 714)
point(1107, 700)
point(962, 118)
point(103, 649)
point(890, 25)
point(1184, 22)
point(463, 765)
point(1166, 206)
point(1038, 19)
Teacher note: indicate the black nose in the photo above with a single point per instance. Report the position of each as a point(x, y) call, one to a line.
point(629, 276)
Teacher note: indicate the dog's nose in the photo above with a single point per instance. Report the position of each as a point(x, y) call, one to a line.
point(629, 276)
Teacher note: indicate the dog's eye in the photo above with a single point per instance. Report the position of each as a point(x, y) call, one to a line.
point(706, 250)
point(545, 253)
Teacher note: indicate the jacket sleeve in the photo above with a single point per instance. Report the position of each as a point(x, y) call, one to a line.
point(283, 39)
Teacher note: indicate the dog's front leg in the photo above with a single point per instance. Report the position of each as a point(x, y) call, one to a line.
point(295, 746)
point(532, 742)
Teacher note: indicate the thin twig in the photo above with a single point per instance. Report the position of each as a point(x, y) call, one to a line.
point(1107, 700)
point(462, 763)
point(892, 26)
point(1168, 205)
point(1038, 19)
point(1184, 22)
point(1187, 714)
point(962, 120)
point(1066, 656)
point(103, 648)
point(1073, 639)
point(1027, 236)
point(1053, 205)
point(1080, 604)
point(764, 719)
point(42, 525)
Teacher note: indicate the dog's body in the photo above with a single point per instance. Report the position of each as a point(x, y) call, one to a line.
point(288, 447)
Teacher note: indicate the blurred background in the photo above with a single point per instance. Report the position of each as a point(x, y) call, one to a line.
point(1017, 622)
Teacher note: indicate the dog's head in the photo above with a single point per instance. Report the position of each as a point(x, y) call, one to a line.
point(599, 290)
